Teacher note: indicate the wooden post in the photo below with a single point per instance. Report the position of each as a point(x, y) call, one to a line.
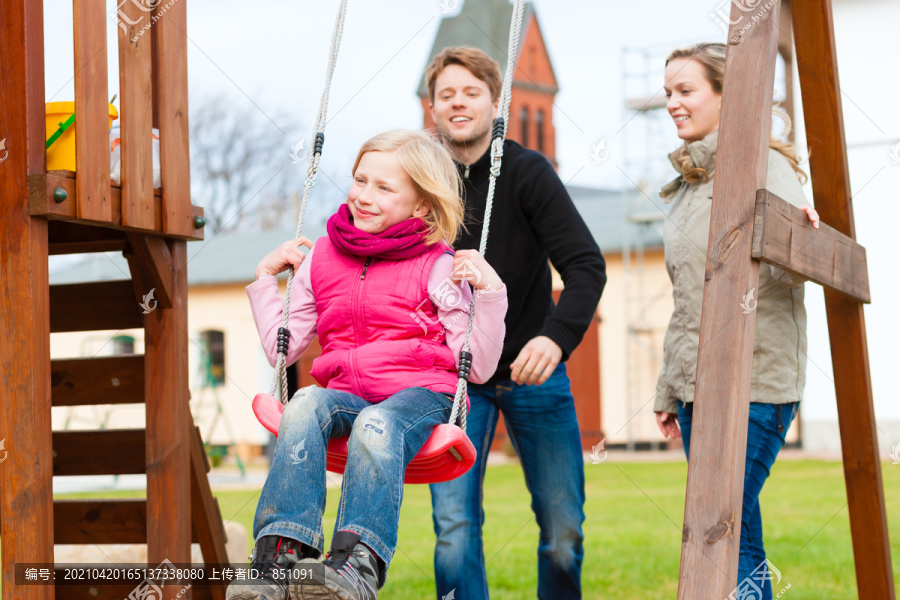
point(168, 417)
point(817, 64)
point(26, 490)
point(712, 515)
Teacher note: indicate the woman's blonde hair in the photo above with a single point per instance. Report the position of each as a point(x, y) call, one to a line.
point(433, 174)
point(711, 56)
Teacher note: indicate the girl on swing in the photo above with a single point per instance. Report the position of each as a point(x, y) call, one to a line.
point(386, 296)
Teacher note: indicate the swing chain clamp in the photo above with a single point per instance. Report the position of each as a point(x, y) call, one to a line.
point(499, 129)
point(284, 335)
point(320, 141)
point(465, 364)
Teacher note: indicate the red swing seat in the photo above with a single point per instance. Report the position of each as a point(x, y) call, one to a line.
point(447, 454)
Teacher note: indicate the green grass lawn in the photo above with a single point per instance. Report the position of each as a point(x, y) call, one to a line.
point(633, 531)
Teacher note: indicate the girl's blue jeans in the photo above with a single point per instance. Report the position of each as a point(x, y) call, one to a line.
point(767, 427)
point(384, 438)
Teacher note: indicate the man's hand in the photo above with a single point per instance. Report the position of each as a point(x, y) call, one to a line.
point(536, 362)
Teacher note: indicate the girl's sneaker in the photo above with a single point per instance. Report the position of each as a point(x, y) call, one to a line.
point(270, 563)
point(349, 572)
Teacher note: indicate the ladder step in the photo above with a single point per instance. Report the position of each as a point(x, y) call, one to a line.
point(94, 307)
point(101, 521)
point(99, 452)
point(89, 381)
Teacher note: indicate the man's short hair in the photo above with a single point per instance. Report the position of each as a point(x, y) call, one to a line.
point(474, 59)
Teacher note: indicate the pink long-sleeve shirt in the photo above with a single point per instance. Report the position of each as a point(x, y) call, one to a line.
point(485, 342)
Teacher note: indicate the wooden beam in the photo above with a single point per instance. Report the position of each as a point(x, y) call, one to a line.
point(821, 95)
point(100, 521)
point(26, 482)
point(206, 519)
point(784, 238)
point(94, 306)
point(170, 88)
point(41, 188)
point(712, 516)
point(137, 116)
point(168, 443)
point(76, 238)
point(99, 452)
point(156, 261)
point(104, 380)
point(91, 112)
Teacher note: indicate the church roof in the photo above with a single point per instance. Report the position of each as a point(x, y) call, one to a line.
point(483, 24)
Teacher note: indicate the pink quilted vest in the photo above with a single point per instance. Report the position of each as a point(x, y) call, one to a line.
point(379, 331)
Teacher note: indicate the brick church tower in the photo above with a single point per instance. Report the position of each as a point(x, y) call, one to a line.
point(485, 24)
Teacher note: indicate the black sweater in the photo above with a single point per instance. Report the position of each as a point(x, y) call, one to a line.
point(533, 219)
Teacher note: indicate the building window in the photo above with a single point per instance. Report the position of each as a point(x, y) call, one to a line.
point(539, 122)
point(123, 344)
point(212, 357)
point(523, 117)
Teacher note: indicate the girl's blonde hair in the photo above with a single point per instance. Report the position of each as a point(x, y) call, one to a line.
point(711, 57)
point(433, 174)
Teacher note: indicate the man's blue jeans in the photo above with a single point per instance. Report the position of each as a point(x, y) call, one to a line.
point(384, 438)
point(544, 430)
point(766, 430)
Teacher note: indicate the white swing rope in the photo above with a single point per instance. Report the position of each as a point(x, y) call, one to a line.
point(311, 173)
point(499, 134)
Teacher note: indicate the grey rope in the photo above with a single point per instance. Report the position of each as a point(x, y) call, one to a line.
point(312, 170)
point(515, 30)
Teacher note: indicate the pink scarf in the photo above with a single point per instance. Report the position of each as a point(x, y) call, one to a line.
point(403, 240)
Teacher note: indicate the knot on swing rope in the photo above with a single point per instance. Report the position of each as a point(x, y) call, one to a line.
point(465, 364)
point(320, 141)
point(283, 337)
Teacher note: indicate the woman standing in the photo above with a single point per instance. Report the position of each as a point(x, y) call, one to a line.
point(693, 86)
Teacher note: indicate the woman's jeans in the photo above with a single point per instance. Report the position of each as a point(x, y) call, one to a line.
point(544, 430)
point(768, 425)
point(384, 438)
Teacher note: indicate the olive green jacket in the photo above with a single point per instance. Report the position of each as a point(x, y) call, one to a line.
point(779, 347)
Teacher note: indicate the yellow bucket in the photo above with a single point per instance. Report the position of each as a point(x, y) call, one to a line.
point(61, 154)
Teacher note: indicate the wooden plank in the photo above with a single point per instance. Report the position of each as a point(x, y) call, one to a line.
point(817, 64)
point(76, 238)
point(91, 112)
point(94, 306)
point(784, 237)
point(40, 197)
point(168, 444)
point(26, 501)
point(100, 521)
point(117, 590)
point(170, 87)
point(712, 516)
point(156, 260)
point(137, 117)
point(206, 519)
point(104, 380)
point(99, 452)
